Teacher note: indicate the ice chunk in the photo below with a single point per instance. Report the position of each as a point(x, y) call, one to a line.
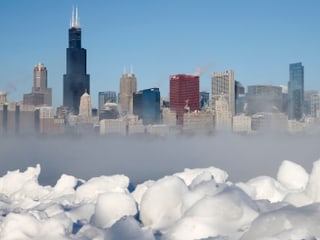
point(140, 190)
point(292, 176)
point(313, 187)
point(128, 228)
point(284, 221)
point(227, 213)
point(111, 207)
point(89, 191)
point(265, 188)
point(162, 203)
point(26, 226)
point(188, 175)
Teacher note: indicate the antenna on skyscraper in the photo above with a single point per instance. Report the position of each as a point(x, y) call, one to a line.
point(124, 69)
point(77, 23)
point(131, 69)
point(75, 19)
point(72, 17)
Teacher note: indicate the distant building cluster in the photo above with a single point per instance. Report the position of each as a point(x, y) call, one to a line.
point(187, 110)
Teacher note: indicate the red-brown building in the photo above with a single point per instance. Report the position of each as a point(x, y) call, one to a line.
point(184, 94)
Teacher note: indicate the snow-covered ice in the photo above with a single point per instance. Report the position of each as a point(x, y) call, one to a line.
point(194, 204)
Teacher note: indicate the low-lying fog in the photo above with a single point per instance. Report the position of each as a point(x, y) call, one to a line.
point(142, 158)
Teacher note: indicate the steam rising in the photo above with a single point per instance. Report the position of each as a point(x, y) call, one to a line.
point(141, 159)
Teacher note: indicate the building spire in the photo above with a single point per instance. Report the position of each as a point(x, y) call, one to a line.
point(75, 19)
point(72, 18)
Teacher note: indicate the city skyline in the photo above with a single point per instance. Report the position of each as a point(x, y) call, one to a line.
point(256, 40)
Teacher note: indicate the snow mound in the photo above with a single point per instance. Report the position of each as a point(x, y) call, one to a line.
point(286, 223)
point(128, 228)
point(26, 226)
point(292, 176)
point(265, 188)
point(188, 175)
point(140, 190)
point(313, 187)
point(194, 204)
point(111, 207)
point(226, 213)
point(89, 191)
point(19, 185)
point(161, 205)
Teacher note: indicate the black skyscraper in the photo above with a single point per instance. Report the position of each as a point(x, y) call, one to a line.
point(76, 81)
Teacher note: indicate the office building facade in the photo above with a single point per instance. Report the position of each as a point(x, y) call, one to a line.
point(296, 91)
point(223, 83)
point(41, 95)
point(128, 85)
point(146, 105)
point(184, 95)
point(76, 80)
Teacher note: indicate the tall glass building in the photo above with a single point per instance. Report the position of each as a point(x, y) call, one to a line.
point(76, 81)
point(146, 105)
point(296, 91)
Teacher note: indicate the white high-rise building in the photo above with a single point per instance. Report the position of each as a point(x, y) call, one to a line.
point(223, 83)
point(85, 109)
point(223, 115)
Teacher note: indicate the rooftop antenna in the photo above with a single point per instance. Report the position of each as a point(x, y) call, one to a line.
point(124, 69)
point(77, 23)
point(72, 17)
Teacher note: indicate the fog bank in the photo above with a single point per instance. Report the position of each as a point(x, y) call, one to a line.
point(142, 158)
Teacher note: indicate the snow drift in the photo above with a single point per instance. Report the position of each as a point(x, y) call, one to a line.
point(193, 204)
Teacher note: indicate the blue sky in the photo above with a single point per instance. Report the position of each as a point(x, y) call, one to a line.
point(256, 39)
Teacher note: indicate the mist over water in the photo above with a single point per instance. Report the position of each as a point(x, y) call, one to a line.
point(143, 158)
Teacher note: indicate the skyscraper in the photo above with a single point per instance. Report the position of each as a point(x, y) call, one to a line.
point(76, 81)
point(39, 77)
point(128, 85)
point(146, 105)
point(184, 94)
point(85, 110)
point(41, 94)
point(296, 91)
point(223, 84)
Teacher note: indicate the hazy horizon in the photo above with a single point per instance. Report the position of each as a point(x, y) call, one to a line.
point(242, 157)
